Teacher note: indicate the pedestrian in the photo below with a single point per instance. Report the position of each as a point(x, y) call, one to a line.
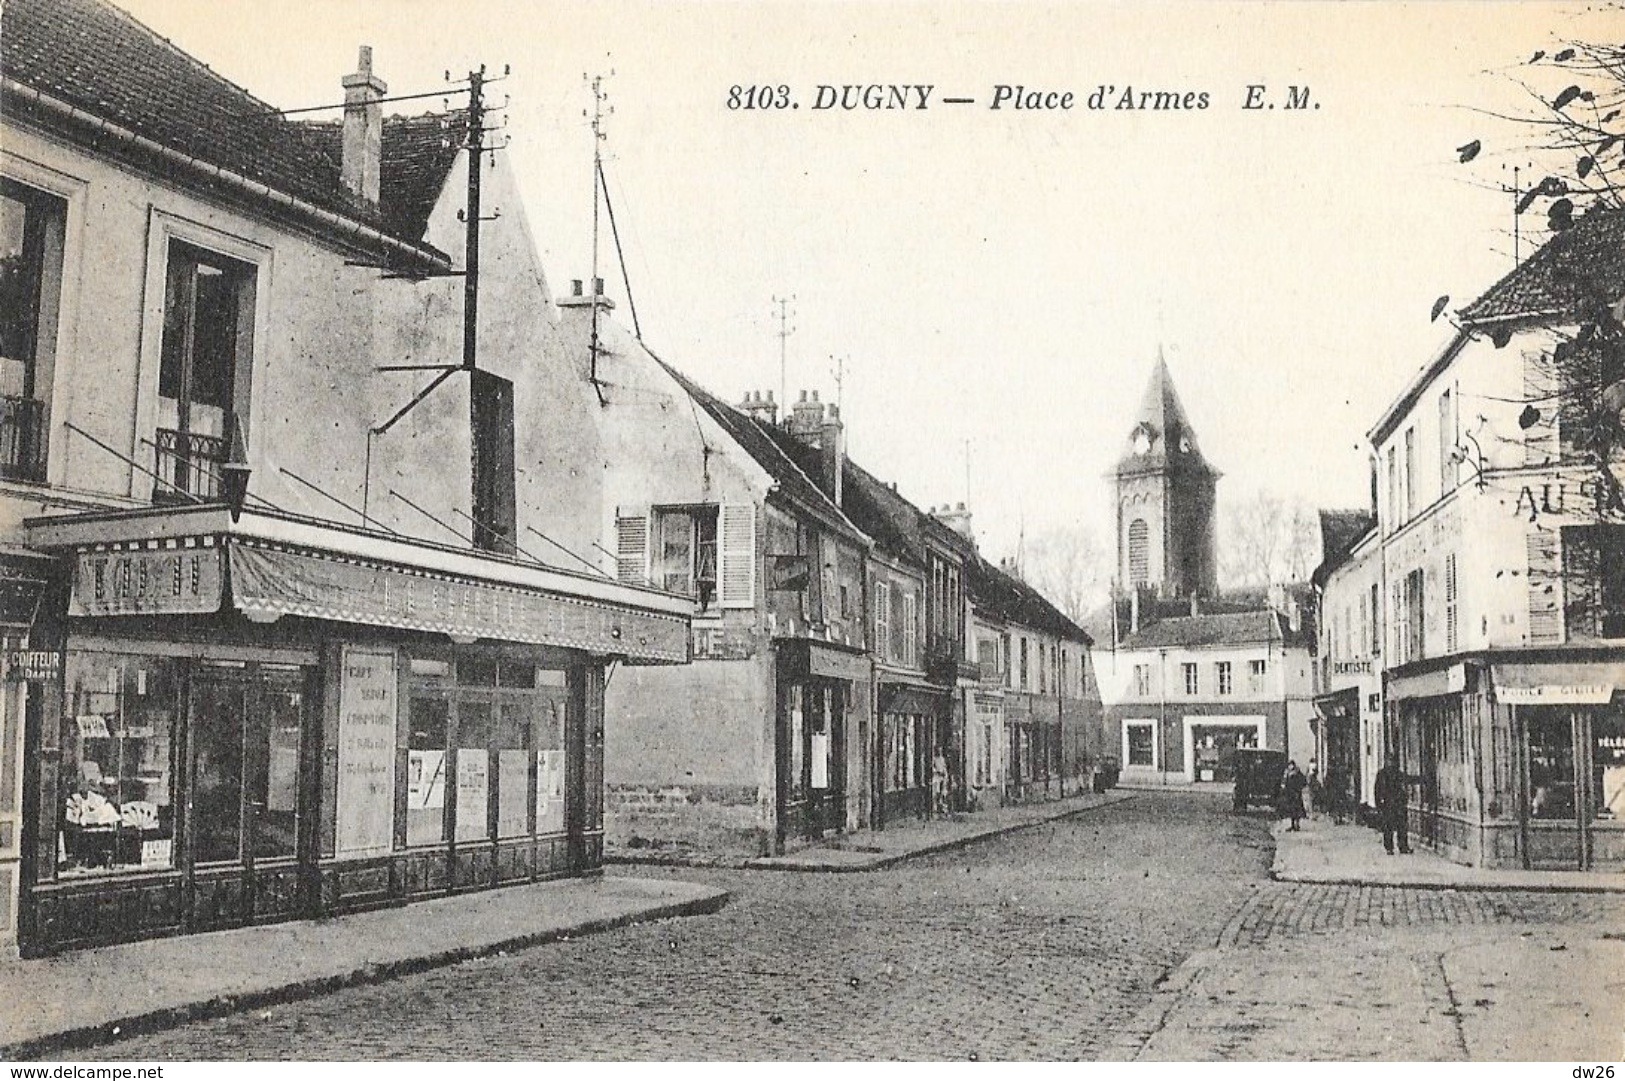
point(1292, 786)
point(1317, 791)
point(1390, 795)
point(939, 784)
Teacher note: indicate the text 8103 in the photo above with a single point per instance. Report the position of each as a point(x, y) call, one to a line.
point(760, 97)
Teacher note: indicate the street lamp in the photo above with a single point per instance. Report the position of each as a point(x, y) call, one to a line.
point(234, 473)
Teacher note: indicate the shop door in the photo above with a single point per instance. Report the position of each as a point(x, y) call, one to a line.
point(243, 838)
point(825, 726)
point(1432, 735)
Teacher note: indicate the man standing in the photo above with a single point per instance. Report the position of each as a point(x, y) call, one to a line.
point(1390, 794)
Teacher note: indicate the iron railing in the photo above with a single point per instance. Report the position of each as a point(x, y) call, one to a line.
point(188, 466)
point(22, 438)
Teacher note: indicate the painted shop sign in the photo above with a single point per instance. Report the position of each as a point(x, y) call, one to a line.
point(149, 581)
point(1351, 668)
point(267, 584)
point(366, 743)
point(1576, 694)
point(24, 664)
point(1552, 497)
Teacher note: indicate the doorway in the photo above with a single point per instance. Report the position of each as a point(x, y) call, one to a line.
point(247, 726)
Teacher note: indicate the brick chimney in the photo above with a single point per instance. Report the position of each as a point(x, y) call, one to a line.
point(832, 444)
point(363, 146)
point(577, 298)
point(759, 408)
point(956, 518)
point(806, 419)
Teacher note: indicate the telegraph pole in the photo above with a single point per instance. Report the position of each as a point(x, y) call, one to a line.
point(598, 99)
point(475, 136)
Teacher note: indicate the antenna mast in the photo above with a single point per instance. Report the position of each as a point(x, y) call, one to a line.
point(784, 332)
point(598, 111)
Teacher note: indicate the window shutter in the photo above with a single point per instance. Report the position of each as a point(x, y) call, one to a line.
point(1545, 589)
point(1450, 604)
point(632, 547)
point(1540, 440)
point(738, 555)
point(882, 620)
point(1582, 581)
point(910, 631)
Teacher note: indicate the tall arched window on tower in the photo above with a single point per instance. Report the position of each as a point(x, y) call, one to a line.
point(1139, 553)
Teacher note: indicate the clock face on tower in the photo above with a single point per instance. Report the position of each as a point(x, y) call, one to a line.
point(1142, 441)
point(1184, 444)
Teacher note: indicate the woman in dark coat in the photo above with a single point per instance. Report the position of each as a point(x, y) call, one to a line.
point(1292, 785)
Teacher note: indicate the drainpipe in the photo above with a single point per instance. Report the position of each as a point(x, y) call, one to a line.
point(1162, 710)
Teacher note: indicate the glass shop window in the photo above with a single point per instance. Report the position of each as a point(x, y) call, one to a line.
point(474, 727)
point(1141, 745)
point(513, 767)
point(118, 764)
point(549, 721)
point(1551, 764)
point(796, 711)
point(426, 771)
point(1608, 763)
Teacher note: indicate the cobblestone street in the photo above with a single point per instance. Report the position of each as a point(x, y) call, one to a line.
point(1053, 943)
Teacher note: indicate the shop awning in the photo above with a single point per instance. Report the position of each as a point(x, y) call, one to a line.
point(1578, 684)
point(1339, 705)
point(1451, 680)
point(907, 698)
point(195, 560)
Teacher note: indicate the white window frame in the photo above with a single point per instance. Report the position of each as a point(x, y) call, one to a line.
point(1156, 744)
point(1255, 722)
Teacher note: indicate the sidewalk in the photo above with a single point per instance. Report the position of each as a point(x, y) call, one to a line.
point(1353, 855)
point(81, 998)
point(874, 849)
point(871, 850)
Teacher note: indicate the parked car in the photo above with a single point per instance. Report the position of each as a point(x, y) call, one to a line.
point(1258, 778)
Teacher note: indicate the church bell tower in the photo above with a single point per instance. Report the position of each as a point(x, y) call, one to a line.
point(1165, 500)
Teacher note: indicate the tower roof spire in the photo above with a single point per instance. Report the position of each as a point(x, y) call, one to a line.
point(1162, 436)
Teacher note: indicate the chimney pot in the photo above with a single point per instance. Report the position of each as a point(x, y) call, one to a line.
point(575, 287)
point(362, 133)
point(803, 395)
point(815, 395)
point(770, 396)
point(961, 506)
point(598, 287)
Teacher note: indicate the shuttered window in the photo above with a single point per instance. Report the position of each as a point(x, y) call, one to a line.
point(1450, 605)
point(911, 637)
point(632, 546)
point(1545, 590)
point(883, 619)
point(738, 555)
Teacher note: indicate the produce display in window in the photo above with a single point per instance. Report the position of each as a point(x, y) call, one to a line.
point(117, 772)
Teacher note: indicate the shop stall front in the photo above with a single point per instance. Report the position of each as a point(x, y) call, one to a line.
point(1337, 743)
point(274, 717)
point(822, 712)
point(913, 720)
point(1516, 758)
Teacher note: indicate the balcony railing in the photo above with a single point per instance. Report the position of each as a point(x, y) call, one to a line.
point(22, 438)
point(188, 466)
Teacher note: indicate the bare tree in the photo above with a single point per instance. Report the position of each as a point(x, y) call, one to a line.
point(1068, 566)
point(1266, 540)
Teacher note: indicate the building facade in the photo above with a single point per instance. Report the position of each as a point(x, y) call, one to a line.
point(1348, 671)
point(1500, 555)
point(261, 675)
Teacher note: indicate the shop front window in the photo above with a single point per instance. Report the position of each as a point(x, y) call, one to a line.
point(474, 723)
point(1141, 745)
point(513, 769)
point(426, 771)
point(1608, 763)
point(118, 764)
point(1551, 764)
point(550, 752)
point(217, 785)
point(797, 723)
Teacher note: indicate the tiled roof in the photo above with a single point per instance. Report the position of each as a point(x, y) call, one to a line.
point(1586, 260)
point(1340, 530)
point(1220, 629)
point(418, 155)
point(1008, 598)
point(94, 57)
point(755, 439)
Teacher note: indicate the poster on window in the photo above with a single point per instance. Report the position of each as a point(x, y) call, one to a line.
point(425, 780)
point(820, 760)
point(473, 793)
point(549, 791)
point(366, 745)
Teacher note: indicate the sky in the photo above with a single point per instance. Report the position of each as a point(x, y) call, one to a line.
point(997, 282)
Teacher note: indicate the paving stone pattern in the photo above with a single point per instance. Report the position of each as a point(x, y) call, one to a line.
point(1050, 943)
